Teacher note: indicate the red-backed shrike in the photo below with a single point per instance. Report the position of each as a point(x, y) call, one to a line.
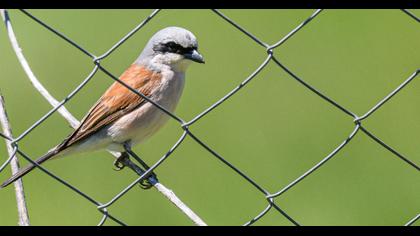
point(121, 117)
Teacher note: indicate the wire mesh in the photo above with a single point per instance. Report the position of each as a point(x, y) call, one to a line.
point(185, 125)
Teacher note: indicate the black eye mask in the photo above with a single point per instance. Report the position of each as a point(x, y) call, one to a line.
point(172, 47)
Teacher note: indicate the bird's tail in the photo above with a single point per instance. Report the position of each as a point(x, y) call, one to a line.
point(30, 167)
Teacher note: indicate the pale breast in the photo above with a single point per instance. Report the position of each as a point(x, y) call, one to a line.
point(148, 119)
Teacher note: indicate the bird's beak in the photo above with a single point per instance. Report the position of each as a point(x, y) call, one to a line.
point(194, 55)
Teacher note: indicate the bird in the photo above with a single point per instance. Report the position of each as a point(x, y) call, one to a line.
point(121, 118)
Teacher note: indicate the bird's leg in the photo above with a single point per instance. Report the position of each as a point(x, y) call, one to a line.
point(145, 183)
point(118, 163)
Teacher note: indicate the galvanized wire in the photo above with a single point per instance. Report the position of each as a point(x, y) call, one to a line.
point(268, 49)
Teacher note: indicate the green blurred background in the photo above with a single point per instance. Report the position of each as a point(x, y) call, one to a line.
point(274, 129)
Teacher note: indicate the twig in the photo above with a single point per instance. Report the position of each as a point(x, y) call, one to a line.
point(14, 164)
point(74, 123)
point(63, 111)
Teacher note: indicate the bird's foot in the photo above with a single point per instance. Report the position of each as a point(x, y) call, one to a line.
point(118, 163)
point(145, 183)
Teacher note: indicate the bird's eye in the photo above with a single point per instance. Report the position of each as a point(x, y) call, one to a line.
point(174, 48)
point(171, 45)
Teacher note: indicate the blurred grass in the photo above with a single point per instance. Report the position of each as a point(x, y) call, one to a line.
point(273, 130)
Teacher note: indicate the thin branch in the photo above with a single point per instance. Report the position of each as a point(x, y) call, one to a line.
point(74, 122)
point(14, 164)
point(35, 82)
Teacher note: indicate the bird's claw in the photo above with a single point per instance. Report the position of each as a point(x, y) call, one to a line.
point(145, 183)
point(118, 165)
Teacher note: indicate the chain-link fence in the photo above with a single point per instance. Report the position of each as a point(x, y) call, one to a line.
point(185, 125)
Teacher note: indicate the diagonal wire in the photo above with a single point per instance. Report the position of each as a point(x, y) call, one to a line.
point(389, 96)
point(15, 148)
point(247, 178)
point(257, 40)
point(56, 32)
point(283, 212)
point(231, 93)
point(411, 14)
point(259, 216)
point(65, 183)
point(59, 105)
point(412, 221)
point(376, 139)
point(313, 89)
point(131, 33)
point(285, 38)
point(319, 164)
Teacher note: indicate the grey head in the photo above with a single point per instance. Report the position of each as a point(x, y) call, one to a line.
point(172, 46)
